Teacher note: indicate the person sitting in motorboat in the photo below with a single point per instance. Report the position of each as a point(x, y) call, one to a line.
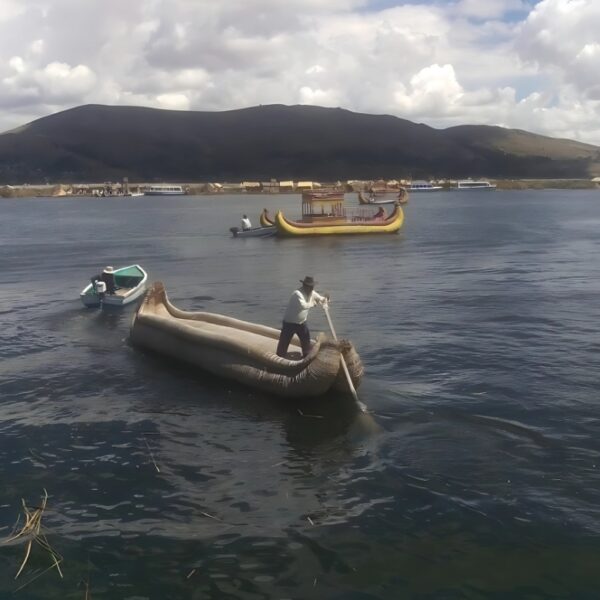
point(108, 276)
point(246, 224)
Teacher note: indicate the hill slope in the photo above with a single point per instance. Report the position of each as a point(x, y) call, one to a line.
point(98, 143)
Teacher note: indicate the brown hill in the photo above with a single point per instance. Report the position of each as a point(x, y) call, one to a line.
point(98, 143)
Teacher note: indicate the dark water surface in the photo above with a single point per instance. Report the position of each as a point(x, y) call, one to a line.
point(479, 329)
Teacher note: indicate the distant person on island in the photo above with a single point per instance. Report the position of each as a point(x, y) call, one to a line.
point(296, 314)
point(246, 223)
point(380, 214)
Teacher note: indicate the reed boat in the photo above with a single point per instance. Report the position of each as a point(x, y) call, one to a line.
point(401, 197)
point(329, 216)
point(241, 351)
point(130, 283)
point(265, 219)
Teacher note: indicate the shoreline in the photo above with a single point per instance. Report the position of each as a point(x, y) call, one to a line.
point(68, 190)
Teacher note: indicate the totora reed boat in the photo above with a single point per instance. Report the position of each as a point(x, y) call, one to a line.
point(239, 350)
point(265, 219)
point(327, 215)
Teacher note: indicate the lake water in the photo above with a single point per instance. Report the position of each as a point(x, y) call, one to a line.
point(479, 328)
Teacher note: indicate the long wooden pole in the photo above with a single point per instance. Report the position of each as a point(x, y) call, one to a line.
point(360, 405)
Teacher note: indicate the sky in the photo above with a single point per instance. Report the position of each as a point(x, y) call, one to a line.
point(525, 64)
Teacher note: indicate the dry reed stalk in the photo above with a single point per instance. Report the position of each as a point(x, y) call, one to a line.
point(152, 456)
point(32, 532)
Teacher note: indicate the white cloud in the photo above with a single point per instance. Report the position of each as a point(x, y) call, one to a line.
point(16, 63)
point(439, 63)
point(318, 97)
point(173, 101)
point(10, 9)
point(434, 90)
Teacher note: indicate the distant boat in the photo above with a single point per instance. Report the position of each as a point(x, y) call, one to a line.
point(423, 186)
point(130, 284)
point(470, 184)
point(253, 232)
point(164, 190)
point(400, 197)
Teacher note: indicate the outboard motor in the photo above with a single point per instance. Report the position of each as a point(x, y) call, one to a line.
point(234, 231)
point(101, 289)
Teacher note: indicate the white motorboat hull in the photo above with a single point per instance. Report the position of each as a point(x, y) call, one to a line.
point(254, 232)
point(164, 193)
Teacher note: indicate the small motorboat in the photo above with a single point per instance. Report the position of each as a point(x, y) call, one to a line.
point(242, 351)
point(254, 232)
point(399, 197)
point(129, 283)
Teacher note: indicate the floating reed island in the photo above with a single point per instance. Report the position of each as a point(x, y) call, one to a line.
point(64, 189)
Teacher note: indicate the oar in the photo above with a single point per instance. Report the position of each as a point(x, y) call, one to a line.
point(360, 405)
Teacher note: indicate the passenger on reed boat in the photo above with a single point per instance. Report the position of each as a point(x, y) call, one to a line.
point(296, 314)
point(380, 214)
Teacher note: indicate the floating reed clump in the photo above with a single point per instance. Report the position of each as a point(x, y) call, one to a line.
point(32, 532)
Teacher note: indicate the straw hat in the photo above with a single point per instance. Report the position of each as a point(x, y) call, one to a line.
point(109, 270)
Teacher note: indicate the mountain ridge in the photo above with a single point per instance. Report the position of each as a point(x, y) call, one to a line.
point(98, 142)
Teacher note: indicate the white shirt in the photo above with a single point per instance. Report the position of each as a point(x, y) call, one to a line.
point(297, 308)
point(246, 223)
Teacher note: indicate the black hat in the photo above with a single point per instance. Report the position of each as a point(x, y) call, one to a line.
point(308, 281)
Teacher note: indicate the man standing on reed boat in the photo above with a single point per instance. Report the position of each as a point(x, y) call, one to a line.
point(296, 314)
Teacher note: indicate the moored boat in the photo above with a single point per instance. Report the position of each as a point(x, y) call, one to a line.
point(321, 216)
point(164, 190)
point(129, 282)
point(423, 186)
point(240, 350)
point(470, 184)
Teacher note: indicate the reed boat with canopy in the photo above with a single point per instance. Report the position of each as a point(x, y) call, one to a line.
point(242, 351)
point(328, 215)
point(127, 285)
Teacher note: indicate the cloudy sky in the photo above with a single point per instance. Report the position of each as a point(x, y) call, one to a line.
point(529, 64)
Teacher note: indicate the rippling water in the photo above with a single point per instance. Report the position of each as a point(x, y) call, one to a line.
point(479, 329)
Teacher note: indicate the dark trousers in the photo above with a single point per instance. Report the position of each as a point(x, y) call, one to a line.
point(287, 333)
